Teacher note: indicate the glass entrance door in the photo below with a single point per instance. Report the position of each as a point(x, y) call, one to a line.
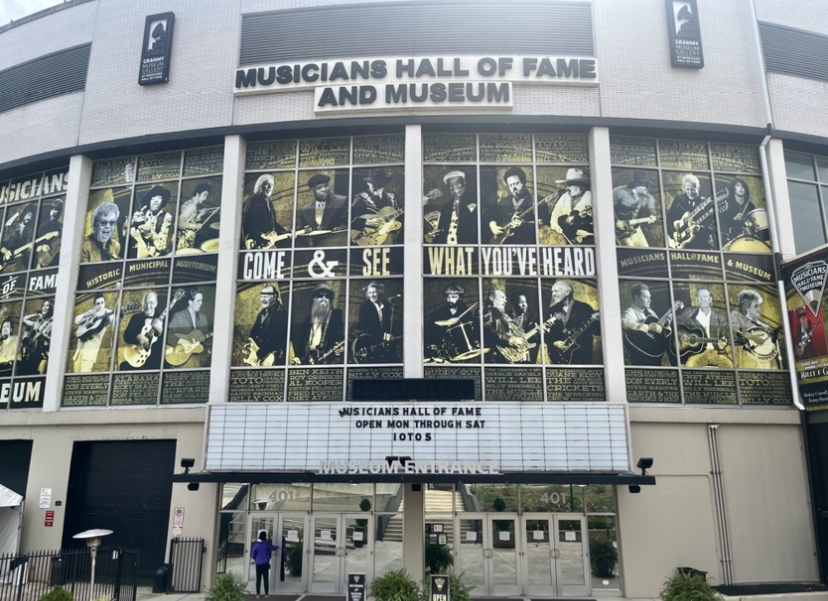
point(285, 530)
point(556, 555)
point(338, 545)
point(488, 553)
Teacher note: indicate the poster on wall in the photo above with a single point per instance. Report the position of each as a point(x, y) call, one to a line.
point(155, 52)
point(805, 279)
point(684, 35)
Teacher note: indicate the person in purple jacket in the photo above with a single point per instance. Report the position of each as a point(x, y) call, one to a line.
point(260, 554)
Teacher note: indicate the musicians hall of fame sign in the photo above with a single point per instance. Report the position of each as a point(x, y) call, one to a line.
point(423, 82)
point(805, 279)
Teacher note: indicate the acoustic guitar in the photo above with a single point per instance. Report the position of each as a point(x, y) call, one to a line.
point(648, 343)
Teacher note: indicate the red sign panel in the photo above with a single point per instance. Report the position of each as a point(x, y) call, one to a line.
point(50, 519)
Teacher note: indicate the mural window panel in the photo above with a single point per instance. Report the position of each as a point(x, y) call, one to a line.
point(743, 217)
point(10, 314)
point(96, 314)
point(509, 215)
point(451, 323)
point(322, 208)
point(703, 326)
point(153, 167)
point(19, 229)
point(565, 211)
point(636, 199)
point(377, 206)
point(36, 322)
point(511, 321)
point(506, 148)
point(647, 323)
point(151, 228)
point(260, 335)
point(317, 322)
point(190, 328)
point(141, 333)
point(49, 233)
point(451, 208)
point(572, 322)
point(691, 210)
point(197, 229)
point(756, 319)
point(106, 225)
point(267, 212)
point(376, 321)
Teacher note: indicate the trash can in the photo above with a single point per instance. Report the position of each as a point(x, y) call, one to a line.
point(57, 576)
point(162, 575)
point(692, 572)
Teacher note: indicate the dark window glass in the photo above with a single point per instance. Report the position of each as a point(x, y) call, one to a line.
point(800, 166)
point(807, 220)
point(822, 169)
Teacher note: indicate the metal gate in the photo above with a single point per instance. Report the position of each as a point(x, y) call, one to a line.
point(186, 556)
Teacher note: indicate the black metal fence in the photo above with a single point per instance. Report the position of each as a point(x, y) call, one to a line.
point(186, 555)
point(29, 576)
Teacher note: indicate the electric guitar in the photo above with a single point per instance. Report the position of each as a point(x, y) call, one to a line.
point(252, 349)
point(691, 222)
point(518, 219)
point(625, 229)
point(519, 352)
point(563, 353)
point(758, 342)
point(190, 344)
point(18, 252)
point(273, 238)
point(376, 235)
point(692, 341)
point(579, 220)
point(648, 343)
point(362, 351)
point(315, 357)
point(137, 354)
point(806, 340)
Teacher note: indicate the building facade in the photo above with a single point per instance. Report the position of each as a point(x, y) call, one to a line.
point(384, 279)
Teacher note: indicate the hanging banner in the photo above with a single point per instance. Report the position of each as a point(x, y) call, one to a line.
point(684, 34)
point(805, 279)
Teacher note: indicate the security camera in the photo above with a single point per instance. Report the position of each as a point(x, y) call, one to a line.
point(644, 464)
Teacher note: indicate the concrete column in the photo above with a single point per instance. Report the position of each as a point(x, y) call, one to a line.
point(414, 530)
point(608, 292)
point(235, 149)
point(413, 284)
point(777, 175)
point(74, 221)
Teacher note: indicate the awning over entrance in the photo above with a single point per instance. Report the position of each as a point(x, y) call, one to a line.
point(419, 442)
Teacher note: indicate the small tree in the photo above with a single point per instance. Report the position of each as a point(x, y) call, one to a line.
point(228, 587)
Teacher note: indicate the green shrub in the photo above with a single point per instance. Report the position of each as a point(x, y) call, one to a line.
point(438, 558)
point(689, 588)
point(395, 586)
point(58, 594)
point(293, 560)
point(602, 557)
point(228, 587)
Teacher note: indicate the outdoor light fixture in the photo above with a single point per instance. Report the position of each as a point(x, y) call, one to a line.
point(187, 463)
point(644, 464)
point(635, 489)
point(192, 486)
point(261, 503)
point(93, 541)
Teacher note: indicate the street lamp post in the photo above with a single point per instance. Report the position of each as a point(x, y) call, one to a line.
point(93, 541)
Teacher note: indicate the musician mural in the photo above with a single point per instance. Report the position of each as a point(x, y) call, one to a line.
point(31, 232)
point(146, 284)
point(702, 318)
point(319, 297)
point(509, 289)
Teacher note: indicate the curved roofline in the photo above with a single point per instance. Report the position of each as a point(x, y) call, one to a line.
point(42, 13)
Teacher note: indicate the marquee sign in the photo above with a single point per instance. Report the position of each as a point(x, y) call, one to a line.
point(423, 82)
point(463, 438)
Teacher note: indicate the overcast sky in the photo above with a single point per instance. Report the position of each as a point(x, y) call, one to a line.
point(11, 10)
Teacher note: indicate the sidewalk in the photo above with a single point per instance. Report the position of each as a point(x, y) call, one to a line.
point(146, 594)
